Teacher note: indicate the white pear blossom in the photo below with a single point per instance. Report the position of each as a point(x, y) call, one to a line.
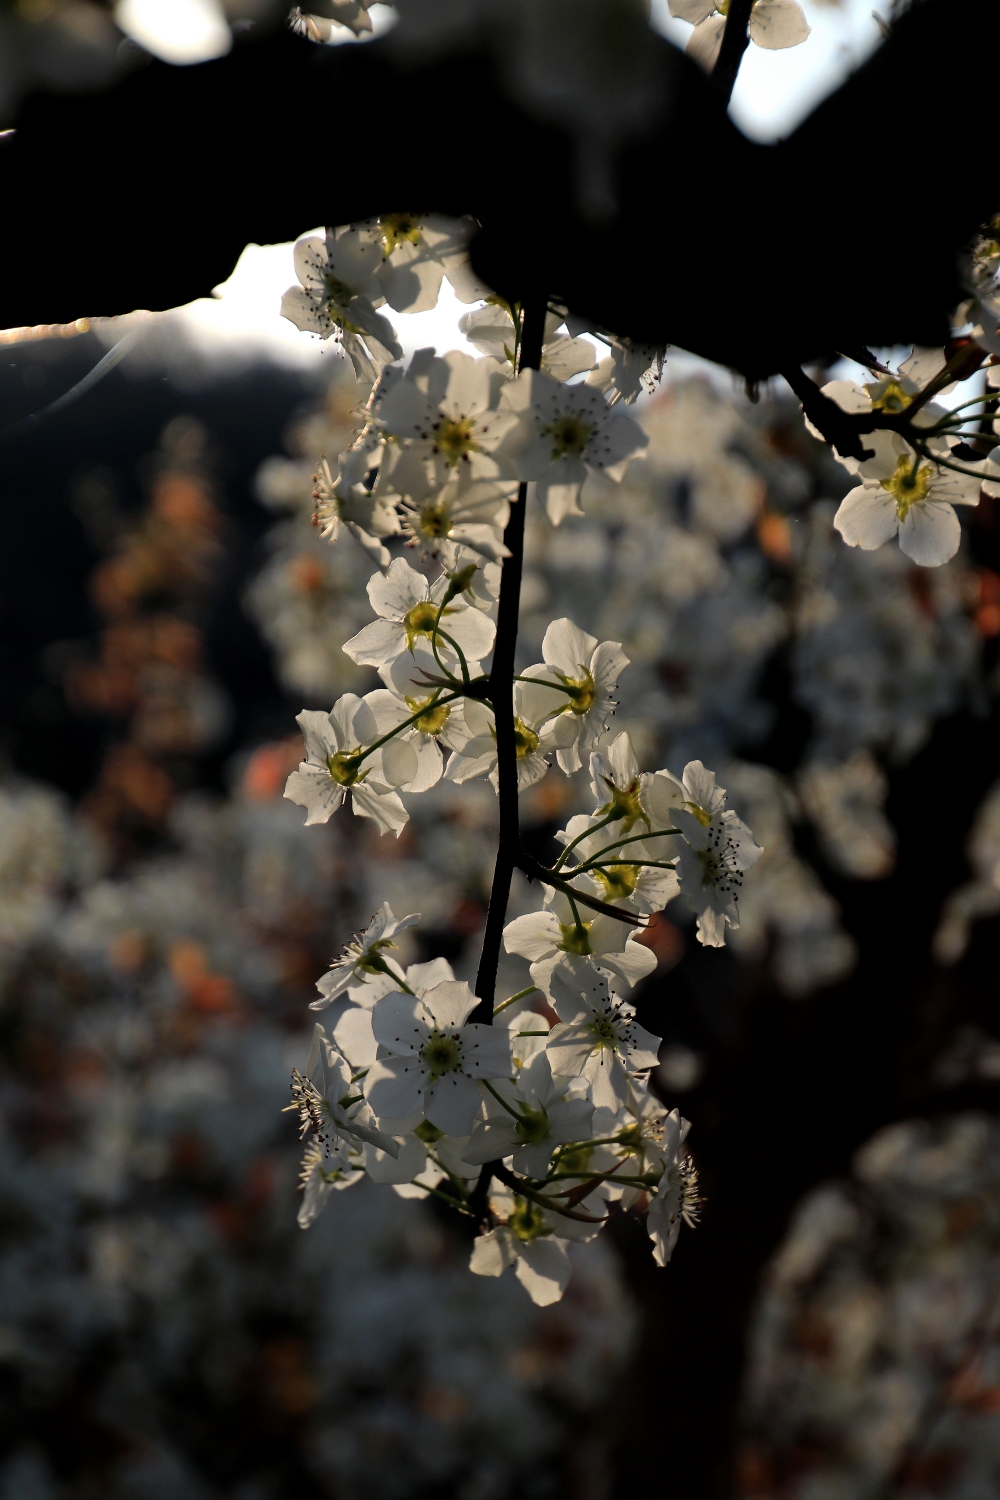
point(563, 433)
point(439, 723)
point(446, 410)
point(538, 1118)
point(599, 1039)
point(352, 1030)
point(632, 802)
point(562, 944)
point(586, 674)
point(619, 873)
point(888, 393)
point(352, 15)
point(320, 1175)
point(339, 501)
point(432, 1057)
point(536, 735)
point(533, 1239)
point(365, 960)
point(713, 856)
point(903, 494)
point(676, 1200)
point(773, 24)
point(629, 369)
point(491, 330)
point(420, 250)
point(409, 606)
point(335, 765)
point(328, 1078)
point(439, 516)
point(525, 1242)
point(338, 297)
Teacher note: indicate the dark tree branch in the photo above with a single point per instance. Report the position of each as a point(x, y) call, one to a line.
point(501, 690)
point(735, 40)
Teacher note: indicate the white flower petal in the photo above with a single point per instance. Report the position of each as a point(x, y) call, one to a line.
point(867, 517)
point(930, 533)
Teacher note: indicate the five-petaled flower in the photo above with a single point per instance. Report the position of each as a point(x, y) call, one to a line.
point(432, 1057)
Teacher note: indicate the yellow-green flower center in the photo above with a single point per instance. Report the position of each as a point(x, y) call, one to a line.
point(371, 962)
point(433, 716)
point(575, 938)
point(399, 227)
point(908, 484)
point(570, 434)
point(577, 1160)
point(618, 881)
point(624, 804)
point(345, 767)
point(338, 294)
point(580, 691)
point(435, 519)
point(533, 1125)
point(888, 395)
point(525, 739)
point(602, 1031)
point(697, 811)
point(441, 1054)
point(526, 1221)
point(420, 620)
point(454, 438)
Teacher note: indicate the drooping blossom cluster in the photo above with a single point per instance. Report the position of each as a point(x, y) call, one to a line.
point(444, 448)
point(534, 1118)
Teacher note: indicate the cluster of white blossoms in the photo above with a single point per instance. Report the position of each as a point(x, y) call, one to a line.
point(531, 1117)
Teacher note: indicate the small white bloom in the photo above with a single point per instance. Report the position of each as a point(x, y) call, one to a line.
point(491, 330)
point(629, 369)
point(544, 1119)
point(714, 854)
point(340, 500)
point(351, 14)
point(338, 295)
point(634, 802)
point(586, 674)
point(564, 432)
point(433, 1058)
point(364, 959)
point(352, 1030)
point(437, 723)
point(540, 1261)
point(420, 250)
point(676, 1200)
point(408, 606)
point(599, 1039)
point(320, 1175)
point(532, 1239)
point(462, 511)
point(901, 494)
point(536, 735)
point(773, 24)
point(620, 873)
point(562, 947)
point(334, 765)
point(446, 411)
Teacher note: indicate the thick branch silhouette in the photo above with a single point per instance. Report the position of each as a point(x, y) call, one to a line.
point(759, 257)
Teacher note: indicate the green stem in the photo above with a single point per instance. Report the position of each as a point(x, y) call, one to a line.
point(521, 1119)
point(530, 990)
point(594, 827)
point(435, 702)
